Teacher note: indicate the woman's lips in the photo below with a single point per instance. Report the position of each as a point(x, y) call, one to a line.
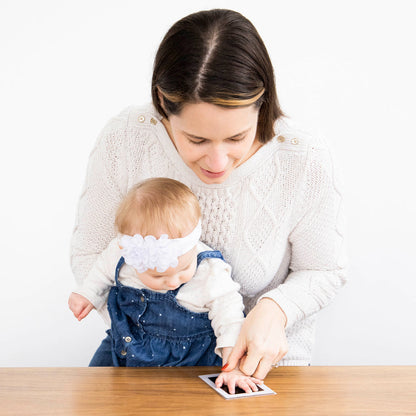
point(210, 174)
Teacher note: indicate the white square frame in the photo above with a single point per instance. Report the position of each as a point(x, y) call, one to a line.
point(264, 392)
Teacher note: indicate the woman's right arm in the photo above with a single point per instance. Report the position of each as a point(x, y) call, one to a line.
point(105, 185)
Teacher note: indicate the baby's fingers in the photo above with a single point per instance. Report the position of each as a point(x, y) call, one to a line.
point(252, 385)
point(256, 380)
point(245, 384)
point(231, 386)
point(76, 310)
point(220, 380)
point(85, 312)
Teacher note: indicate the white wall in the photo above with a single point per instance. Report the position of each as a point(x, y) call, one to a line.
point(344, 69)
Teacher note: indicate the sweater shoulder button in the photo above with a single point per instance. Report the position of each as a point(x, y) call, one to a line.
point(280, 139)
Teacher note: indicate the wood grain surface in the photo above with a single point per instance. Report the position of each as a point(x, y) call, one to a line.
point(333, 391)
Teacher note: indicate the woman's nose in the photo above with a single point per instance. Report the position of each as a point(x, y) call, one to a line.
point(216, 159)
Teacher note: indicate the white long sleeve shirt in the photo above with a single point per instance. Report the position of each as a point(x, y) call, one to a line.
point(210, 290)
point(277, 219)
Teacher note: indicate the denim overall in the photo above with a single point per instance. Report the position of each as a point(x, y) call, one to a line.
point(151, 329)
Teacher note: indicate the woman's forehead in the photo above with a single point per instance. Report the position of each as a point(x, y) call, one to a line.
point(206, 120)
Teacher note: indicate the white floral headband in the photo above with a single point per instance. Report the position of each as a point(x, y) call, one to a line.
point(147, 252)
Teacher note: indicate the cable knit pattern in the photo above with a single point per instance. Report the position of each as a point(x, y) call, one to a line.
point(217, 208)
point(277, 219)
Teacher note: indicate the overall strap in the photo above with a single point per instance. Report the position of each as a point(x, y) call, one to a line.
point(213, 254)
point(118, 267)
point(209, 254)
point(173, 293)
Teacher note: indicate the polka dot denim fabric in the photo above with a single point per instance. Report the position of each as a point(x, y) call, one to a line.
point(151, 329)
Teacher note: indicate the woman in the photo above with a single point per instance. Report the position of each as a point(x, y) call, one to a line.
point(267, 192)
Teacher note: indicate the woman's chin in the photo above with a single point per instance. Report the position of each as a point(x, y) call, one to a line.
point(210, 177)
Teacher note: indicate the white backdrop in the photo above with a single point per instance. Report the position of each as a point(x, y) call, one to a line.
point(344, 69)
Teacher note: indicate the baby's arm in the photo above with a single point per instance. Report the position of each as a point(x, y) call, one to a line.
point(220, 295)
point(93, 291)
point(225, 306)
point(79, 305)
point(236, 378)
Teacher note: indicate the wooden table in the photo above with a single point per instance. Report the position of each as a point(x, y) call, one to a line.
point(300, 391)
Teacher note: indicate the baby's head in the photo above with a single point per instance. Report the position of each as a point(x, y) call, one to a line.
point(151, 210)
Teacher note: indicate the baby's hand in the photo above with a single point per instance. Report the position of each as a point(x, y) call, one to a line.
point(237, 378)
point(79, 305)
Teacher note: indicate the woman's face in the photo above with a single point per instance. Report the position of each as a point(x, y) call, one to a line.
point(212, 140)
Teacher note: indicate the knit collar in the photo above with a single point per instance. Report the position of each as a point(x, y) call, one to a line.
point(255, 162)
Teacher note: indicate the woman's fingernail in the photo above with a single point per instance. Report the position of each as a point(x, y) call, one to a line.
point(224, 367)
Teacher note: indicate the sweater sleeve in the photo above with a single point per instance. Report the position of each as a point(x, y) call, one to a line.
point(224, 302)
point(104, 186)
point(318, 247)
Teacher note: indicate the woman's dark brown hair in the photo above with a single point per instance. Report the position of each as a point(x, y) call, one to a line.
point(218, 57)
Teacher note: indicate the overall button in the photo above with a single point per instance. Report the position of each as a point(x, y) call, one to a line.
point(141, 119)
point(127, 339)
point(142, 298)
point(123, 352)
point(153, 121)
point(295, 141)
point(280, 139)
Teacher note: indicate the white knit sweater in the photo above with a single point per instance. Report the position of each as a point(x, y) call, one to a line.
point(277, 219)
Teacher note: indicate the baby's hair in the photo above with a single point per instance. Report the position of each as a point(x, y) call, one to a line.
point(158, 206)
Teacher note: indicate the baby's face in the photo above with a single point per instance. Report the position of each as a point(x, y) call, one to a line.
point(173, 277)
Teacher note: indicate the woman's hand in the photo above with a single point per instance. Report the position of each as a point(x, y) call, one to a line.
point(236, 378)
point(79, 305)
point(262, 341)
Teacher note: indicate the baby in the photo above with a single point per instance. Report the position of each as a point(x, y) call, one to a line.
point(170, 298)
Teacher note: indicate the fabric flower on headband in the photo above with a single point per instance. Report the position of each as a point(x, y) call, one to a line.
point(148, 252)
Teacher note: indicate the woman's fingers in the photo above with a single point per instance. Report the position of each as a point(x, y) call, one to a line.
point(236, 353)
point(265, 365)
point(262, 341)
point(249, 364)
point(258, 363)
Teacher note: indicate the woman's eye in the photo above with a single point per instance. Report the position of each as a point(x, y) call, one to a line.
point(240, 139)
point(236, 140)
point(197, 142)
